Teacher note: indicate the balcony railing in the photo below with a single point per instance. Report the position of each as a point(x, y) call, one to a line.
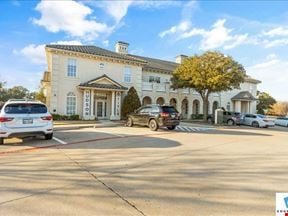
point(147, 86)
point(160, 87)
point(185, 90)
point(173, 90)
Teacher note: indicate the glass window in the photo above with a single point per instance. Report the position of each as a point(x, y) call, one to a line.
point(228, 107)
point(170, 109)
point(71, 72)
point(71, 104)
point(101, 65)
point(25, 108)
point(127, 75)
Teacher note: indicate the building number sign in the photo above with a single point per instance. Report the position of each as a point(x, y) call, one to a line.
point(87, 102)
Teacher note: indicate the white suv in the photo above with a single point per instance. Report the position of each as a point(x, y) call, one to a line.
point(22, 118)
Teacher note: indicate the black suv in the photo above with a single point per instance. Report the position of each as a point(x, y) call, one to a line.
point(155, 116)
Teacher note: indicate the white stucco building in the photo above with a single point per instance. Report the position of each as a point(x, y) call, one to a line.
point(91, 82)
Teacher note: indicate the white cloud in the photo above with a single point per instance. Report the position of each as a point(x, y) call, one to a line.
point(275, 43)
point(182, 27)
point(273, 72)
point(218, 36)
point(119, 8)
point(106, 43)
point(36, 53)
point(116, 9)
point(279, 31)
point(70, 17)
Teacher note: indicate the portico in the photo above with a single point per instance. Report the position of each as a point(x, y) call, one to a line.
point(243, 102)
point(102, 98)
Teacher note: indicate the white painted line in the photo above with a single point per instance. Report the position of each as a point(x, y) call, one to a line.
point(119, 135)
point(60, 141)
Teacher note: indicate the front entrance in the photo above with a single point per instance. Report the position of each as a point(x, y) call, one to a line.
point(101, 109)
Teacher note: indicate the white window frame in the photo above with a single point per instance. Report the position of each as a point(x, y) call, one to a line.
point(127, 75)
point(71, 67)
point(71, 108)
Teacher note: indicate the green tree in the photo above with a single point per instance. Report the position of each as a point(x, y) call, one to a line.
point(3, 92)
point(17, 92)
point(208, 73)
point(266, 102)
point(38, 95)
point(130, 102)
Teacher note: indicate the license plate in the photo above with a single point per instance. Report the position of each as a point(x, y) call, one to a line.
point(28, 121)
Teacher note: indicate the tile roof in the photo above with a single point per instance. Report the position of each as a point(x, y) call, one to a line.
point(158, 64)
point(94, 50)
point(149, 63)
point(114, 85)
point(244, 95)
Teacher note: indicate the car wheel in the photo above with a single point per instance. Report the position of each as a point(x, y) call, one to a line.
point(230, 122)
point(48, 136)
point(171, 127)
point(1, 141)
point(255, 124)
point(129, 122)
point(153, 125)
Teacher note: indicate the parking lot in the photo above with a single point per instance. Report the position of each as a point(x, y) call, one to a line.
point(195, 170)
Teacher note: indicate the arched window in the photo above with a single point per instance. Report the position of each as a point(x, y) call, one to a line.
point(196, 105)
point(71, 104)
point(146, 100)
point(160, 101)
point(173, 102)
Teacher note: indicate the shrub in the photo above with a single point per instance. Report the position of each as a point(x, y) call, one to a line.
point(58, 117)
point(130, 102)
point(197, 116)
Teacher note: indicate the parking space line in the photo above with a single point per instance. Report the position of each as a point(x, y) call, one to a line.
point(60, 141)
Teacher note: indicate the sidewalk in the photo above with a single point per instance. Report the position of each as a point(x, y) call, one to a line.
point(70, 125)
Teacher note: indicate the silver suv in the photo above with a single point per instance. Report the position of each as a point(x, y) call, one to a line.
point(22, 118)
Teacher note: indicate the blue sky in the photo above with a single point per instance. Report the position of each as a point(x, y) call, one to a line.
point(255, 33)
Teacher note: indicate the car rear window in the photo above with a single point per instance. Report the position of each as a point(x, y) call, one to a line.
point(169, 109)
point(25, 108)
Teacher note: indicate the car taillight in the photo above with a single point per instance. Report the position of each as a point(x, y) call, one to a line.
point(5, 119)
point(164, 114)
point(47, 118)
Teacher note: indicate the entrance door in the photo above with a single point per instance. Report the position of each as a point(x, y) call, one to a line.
point(101, 109)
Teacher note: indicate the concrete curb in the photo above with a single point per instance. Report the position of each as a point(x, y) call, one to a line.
point(59, 128)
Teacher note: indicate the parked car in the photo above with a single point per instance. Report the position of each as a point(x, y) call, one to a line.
point(22, 118)
point(230, 118)
point(282, 121)
point(155, 116)
point(256, 120)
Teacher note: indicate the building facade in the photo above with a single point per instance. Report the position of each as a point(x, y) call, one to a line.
point(91, 82)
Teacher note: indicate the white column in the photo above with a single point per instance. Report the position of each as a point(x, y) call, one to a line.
point(190, 107)
point(237, 106)
point(92, 105)
point(113, 106)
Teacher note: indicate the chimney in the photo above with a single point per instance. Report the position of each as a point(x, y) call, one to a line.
point(180, 58)
point(121, 47)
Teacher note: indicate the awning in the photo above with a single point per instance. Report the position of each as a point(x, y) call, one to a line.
point(244, 96)
point(103, 83)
